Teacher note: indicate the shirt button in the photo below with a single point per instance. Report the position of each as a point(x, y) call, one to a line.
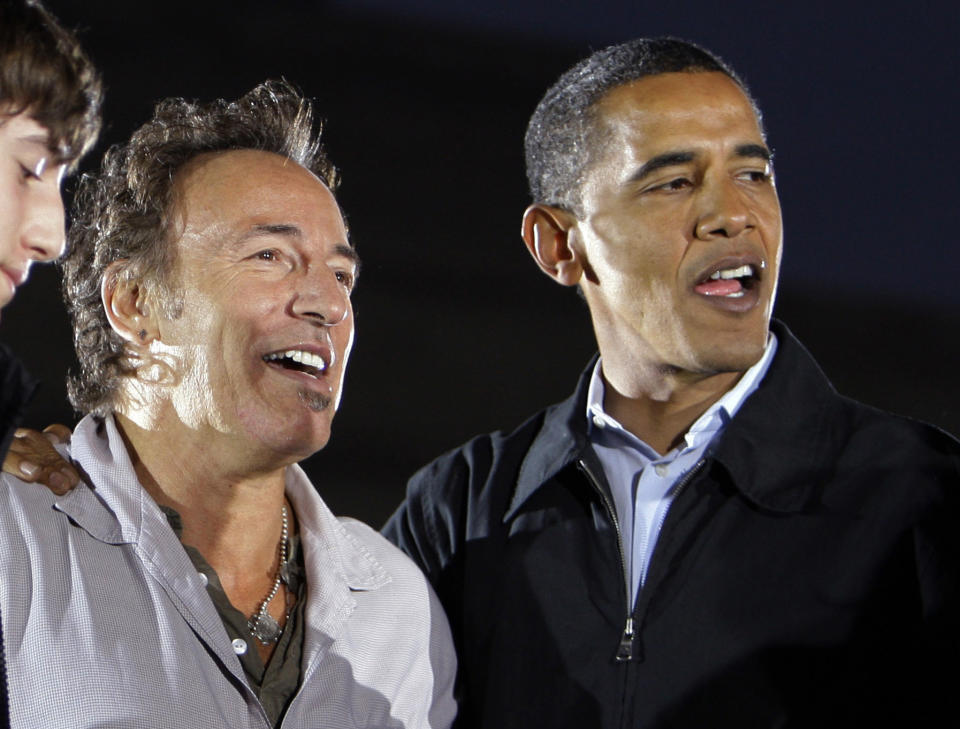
point(203, 578)
point(239, 646)
point(662, 469)
point(598, 421)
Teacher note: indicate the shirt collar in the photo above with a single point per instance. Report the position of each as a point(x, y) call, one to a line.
point(706, 426)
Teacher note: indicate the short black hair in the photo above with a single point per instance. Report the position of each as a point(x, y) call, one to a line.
point(560, 140)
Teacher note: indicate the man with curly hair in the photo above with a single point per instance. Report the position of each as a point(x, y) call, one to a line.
point(196, 578)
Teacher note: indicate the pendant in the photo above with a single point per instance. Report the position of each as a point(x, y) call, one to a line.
point(265, 629)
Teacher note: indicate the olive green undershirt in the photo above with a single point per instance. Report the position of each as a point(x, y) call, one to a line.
point(276, 683)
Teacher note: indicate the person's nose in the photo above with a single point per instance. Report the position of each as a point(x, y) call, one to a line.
point(43, 235)
point(322, 298)
point(723, 211)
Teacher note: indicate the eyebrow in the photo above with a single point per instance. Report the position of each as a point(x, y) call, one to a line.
point(350, 252)
point(669, 159)
point(285, 229)
point(756, 151)
point(292, 231)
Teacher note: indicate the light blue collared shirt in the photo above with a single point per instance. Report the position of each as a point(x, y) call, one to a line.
point(644, 483)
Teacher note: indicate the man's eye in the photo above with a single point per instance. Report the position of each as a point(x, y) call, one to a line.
point(270, 254)
point(756, 175)
point(346, 278)
point(678, 183)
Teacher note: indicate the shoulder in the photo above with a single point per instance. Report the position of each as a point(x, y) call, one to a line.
point(390, 584)
point(401, 638)
point(397, 565)
point(24, 504)
point(401, 584)
point(896, 443)
point(483, 461)
point(796, 406)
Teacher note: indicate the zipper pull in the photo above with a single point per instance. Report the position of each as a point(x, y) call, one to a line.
point(625, 649)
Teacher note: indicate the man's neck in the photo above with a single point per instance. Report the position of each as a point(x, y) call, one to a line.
point(662, 413)
point(233, 520)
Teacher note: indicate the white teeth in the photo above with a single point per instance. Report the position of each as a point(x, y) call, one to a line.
point(745, 270)
point(308, 359)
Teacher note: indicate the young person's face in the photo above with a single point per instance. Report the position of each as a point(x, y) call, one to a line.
point(31, 209)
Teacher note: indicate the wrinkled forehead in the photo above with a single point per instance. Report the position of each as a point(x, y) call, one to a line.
point(241, 190)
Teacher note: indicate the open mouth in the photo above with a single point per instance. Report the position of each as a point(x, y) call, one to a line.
point(298, 360)
point(731, 283)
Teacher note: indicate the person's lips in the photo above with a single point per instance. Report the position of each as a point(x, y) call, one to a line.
point(17, 276)
point(733, 284)
point(313, 359)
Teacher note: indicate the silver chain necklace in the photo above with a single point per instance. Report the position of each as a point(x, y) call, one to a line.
point(262, 624)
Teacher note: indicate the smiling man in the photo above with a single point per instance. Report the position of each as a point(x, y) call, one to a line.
point(196, 578)
point(705, 533)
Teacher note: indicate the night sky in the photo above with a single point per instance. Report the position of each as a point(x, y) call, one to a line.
point(426, 104)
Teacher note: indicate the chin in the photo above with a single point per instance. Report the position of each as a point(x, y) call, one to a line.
point(732, 359)
point(289, 440)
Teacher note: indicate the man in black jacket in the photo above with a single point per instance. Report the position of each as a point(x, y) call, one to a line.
point(705, 533)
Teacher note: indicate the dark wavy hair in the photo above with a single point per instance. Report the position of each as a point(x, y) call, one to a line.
point(44, 72)
point(562, 135)
point(125, 212)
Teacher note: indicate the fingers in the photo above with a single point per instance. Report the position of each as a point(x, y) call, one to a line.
point(58, 433)
point(33, 458)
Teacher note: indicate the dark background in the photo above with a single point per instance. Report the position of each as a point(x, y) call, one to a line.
point(426, 103)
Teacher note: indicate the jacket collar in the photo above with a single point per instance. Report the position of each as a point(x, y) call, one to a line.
point(775, 448)
point(562, 439)
point(770, 450)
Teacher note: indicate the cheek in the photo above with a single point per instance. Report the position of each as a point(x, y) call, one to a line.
point(344, 359)
point(10, 219)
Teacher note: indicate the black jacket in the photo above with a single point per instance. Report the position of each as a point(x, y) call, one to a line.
point(806, 575)
point(16, 389)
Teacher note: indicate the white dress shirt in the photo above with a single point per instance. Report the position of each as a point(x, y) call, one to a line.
point(108, 624)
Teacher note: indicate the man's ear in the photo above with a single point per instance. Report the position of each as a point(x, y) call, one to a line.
point(546, 233)
point(126, 305)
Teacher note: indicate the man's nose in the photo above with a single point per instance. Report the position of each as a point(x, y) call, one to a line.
point(724, 212)
point(322, 298)
point(44, 231)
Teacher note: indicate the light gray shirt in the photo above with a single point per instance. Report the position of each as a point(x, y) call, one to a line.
point(108, 624)
point(644, 483)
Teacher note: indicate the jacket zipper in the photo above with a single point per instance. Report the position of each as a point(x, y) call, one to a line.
point(625, 647)
point(681, 485)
